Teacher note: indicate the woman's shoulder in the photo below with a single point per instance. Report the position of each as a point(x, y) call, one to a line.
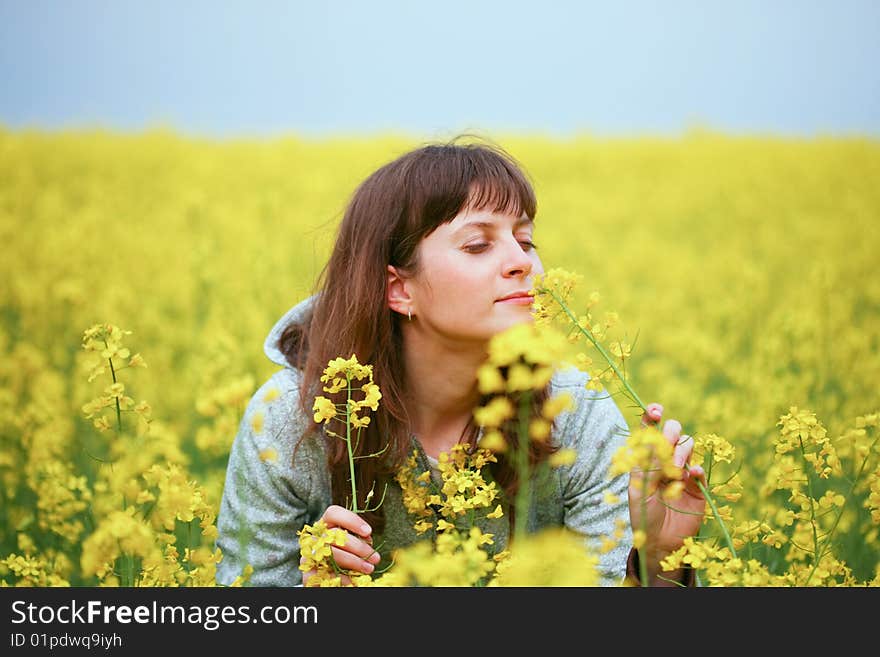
point(590, 412)
point(567, 378)
point(283, 384)
point(281, 391)
point(275, 414)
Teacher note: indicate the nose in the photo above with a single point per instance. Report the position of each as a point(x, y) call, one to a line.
point(517, 262)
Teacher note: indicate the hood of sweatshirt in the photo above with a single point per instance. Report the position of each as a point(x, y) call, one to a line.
point(293, 316)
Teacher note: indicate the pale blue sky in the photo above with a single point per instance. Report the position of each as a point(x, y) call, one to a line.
point(607, 68)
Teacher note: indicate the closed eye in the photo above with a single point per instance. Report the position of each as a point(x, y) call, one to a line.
point(480, 247)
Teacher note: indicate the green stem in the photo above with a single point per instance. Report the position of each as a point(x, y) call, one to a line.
point(840, 515)
point(634, 396)
point(118, 410)
point(354, 502)
point(643, 525)
point(812, 508)
point(600, 348)
point(522, 467)
point(717, 516)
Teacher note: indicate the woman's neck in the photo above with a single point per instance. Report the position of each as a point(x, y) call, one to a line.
point(441, 391)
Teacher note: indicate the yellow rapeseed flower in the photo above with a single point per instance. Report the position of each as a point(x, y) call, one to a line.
point(494, 413)
point(325, 410)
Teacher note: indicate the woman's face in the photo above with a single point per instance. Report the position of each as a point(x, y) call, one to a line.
point(474, 275)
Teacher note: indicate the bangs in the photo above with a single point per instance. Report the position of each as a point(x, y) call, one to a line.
point(437, 182)
point(500, 195)
point(497, 184)
point(448, 179)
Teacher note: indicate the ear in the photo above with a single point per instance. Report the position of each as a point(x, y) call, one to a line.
point(397, 294)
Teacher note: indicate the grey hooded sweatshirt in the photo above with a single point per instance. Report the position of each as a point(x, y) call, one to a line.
point(270, 492)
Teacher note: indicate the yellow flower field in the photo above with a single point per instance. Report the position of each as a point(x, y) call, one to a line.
point(742, 270)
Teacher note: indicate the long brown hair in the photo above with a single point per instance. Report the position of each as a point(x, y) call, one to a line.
point(385, 220)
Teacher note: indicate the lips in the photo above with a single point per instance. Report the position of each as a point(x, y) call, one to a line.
point(521, 296)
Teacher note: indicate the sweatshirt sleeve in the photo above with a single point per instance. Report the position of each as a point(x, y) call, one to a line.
point(270, 492)
point(595, 505)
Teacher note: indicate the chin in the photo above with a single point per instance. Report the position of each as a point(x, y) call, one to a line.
point(524, 318)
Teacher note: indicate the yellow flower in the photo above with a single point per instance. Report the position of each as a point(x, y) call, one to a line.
point(528, 563)
point(359, 422)
point(644, 450)
point(493, 440)
point(519, 378)
point(799, 426)
point(556, 405)
point(607, 544)
point(325, 410)
point(562, 457)
point(621, 349)
point(341, 370)
point(594, 384)
point(555, 282)
point(638, 538)
point(494, 413)
point(372, 396)
point(489, 379)
point(143, 409)
point(673, 491)
point(539, 429)
point(720, 448)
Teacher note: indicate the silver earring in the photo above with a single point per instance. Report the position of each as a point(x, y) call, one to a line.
point(409, 314)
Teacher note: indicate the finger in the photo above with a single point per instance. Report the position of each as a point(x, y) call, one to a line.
point(359, 548)
point(337, 516)
point(362, 549)
point(359, 540)
point(695, 474)
point(672, 431)
point(683, 444)
point(652, 479)
point(350, 561)
point(681, 454)
point(653, 413)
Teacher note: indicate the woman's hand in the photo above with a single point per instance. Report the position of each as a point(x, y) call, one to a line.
point(357, 554)
point(666, 522)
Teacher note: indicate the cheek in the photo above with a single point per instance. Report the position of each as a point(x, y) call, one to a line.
point(451, 273)
point(460, 296)
point(444, 282)
point(460, 287)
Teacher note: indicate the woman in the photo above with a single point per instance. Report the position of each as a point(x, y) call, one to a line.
point(433, 257)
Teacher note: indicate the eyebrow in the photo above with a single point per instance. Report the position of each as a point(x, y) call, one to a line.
point(491, 224)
